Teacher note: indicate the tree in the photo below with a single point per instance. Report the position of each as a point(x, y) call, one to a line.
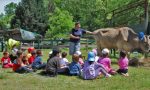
point(90, 13)
point(60, 25)
point(6, 18)
point(31, 15)
point(10, 8)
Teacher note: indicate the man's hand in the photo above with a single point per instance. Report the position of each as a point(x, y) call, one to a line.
point(93, 33)
point(75, 37)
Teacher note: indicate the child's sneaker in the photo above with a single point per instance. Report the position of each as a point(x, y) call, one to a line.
point(108, 75)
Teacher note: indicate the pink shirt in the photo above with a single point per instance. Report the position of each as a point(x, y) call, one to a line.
point(123, 63)
point(81, 61)
point(106, 62)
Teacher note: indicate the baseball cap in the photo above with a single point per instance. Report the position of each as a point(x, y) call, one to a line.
point(105, 51)
point(78, 53)
point(30, 49)
point(91, 56)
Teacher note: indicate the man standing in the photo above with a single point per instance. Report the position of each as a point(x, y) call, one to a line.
point(75, 36)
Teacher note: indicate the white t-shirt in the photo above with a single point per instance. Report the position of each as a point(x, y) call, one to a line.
point(96, 58)
point(64, 62)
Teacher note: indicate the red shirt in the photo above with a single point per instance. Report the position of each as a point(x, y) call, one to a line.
point(31, 59)
point(16, 66)
point(5, 60)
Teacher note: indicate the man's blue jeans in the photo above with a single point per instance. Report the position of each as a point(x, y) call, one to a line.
point(74, 47)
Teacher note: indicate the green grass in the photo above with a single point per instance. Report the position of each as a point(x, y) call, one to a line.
point(139, 79)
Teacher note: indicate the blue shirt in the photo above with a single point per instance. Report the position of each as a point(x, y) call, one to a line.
point(78, 33)
point(37, 61)
point(74, 68)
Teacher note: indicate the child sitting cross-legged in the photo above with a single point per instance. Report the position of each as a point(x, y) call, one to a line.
point(106, 61)
point(81, 62)
point(19, 66)
point(92, 69)
point(53, 63)
point(37, 63)
point(64, 62)
point(123, 64)
point(5, 60)
point(32, 57)
point(75, 67)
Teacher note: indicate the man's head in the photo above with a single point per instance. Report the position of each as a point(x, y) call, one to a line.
point(77, 25)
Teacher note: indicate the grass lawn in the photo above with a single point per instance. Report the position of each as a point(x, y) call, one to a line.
point(139, 79)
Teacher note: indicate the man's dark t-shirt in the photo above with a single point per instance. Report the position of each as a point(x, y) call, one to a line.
point(78, 33)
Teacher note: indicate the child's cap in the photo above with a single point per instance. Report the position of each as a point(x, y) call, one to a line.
point(50, 52)
point(105, 51)
point(91, 56)
point(30, 49)
point(78, 53)
point(95, 51)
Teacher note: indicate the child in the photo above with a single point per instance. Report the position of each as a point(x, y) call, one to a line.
point(30, 49)
point(37, 63)
point(95, 52)
point(106, 61)
point(53, 63)
point(25, 59)
point(6, 63)
point(81, 62)
point(19, 66)
point(32, 58)
point(92, 69)
point(64, 62)
point(123, 64)
point(13, 55)
point(75, 67)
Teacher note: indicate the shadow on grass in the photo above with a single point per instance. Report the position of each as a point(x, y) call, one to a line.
point(3, 76)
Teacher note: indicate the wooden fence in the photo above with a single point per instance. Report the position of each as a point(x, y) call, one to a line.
point(49, 44)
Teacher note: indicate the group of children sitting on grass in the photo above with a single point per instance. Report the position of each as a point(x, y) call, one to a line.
point(57, 63)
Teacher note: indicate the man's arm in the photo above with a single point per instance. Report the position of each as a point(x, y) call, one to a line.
point(88, 32)
point(74, 37)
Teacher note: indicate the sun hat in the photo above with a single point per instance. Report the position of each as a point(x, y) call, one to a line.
point(105, 51)
point(78, 53)
point(91, 56)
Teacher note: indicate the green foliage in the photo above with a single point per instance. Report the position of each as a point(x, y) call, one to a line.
point(5, 22)
point(89, 12)
point(10, 8)
point(31, 15)
point(9, 13)
point(60, 24)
